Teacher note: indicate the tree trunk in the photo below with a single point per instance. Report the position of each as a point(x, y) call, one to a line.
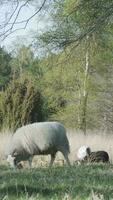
point(85, 90)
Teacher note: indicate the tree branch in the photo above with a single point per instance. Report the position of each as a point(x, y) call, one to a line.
point(11, 16)
point(10, 30)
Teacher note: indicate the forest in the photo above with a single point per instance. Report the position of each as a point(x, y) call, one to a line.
point(69, 77)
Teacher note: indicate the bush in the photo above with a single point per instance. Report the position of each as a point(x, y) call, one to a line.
point(21, 103)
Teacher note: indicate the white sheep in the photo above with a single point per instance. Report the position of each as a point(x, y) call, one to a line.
point(41, 138)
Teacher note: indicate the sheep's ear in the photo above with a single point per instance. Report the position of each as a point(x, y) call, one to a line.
point(88, 150)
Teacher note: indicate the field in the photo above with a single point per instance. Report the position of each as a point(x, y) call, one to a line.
point(77, 182)
point(59, 182)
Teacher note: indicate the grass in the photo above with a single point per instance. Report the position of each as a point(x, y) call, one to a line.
point(66, 183)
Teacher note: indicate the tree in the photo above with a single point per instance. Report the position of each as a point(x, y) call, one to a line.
point(89, 25)
point(21, 103)
point(24, 61)
point(74, 20)
point(5, 68)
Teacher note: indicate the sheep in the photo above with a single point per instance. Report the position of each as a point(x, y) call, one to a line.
point(85, 155)
point(98, 156)
point(41, 138)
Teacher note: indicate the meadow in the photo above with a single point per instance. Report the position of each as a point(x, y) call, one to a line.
point(59, 182)
point(87, 181)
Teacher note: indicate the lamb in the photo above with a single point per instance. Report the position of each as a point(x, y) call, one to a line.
point(85, 155)
point(41, 138)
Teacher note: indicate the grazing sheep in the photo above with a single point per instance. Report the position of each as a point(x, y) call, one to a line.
point(98, 156)
point(85, 155)
point(41, 138)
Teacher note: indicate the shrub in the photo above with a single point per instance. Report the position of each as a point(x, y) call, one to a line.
point(21, 103)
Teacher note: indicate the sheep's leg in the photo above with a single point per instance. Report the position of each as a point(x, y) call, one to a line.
point(30, 161)
point(66, 158)
point(52, 159)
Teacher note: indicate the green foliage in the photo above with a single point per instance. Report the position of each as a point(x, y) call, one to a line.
point(21, 103)
point(75, 96)
point(80, 27)
point(74, 20)
point(24, 61)
point(59, 85)
point(75, 182)
point(5, 68)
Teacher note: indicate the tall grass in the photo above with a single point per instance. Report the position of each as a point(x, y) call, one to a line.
point(5, 138)
point(95, 140)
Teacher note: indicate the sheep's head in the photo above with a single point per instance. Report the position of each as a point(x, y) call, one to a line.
point(10, 160)
point(83, 151)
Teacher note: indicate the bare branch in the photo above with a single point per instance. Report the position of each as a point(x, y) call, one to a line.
point(18, 29)
point(18, 13)
point(11, 16)
point(9, 26)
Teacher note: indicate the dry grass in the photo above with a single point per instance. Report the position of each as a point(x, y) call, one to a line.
point(96, 140)
point(4, 143)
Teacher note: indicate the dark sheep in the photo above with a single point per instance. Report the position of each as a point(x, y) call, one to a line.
point(86, 156)
point(98, 156)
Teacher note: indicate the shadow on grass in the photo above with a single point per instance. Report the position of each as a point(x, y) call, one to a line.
point(47, 193)
point(29, 190)
point(75, 181)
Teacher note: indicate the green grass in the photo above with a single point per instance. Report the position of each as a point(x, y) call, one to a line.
point(76, 182)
